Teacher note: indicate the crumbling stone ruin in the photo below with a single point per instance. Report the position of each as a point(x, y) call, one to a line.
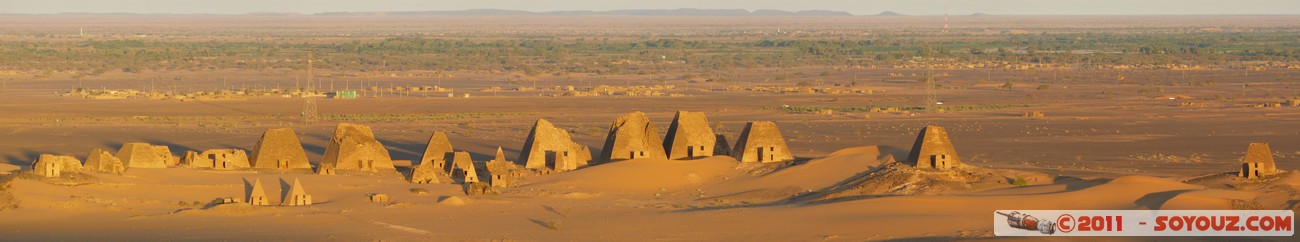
point(379, 198)
point(501, 172)
point(47, 167)
point(1191, 104)
point(279, 149)
point(632, 136)
point(551, 147)
point(1035, 114)
point(427, 173)
point(296, 196)
point(436, 151)
point(354, 147)
point(143, 155)
point(689, 136)
point(65, 163)
point(102, 161)
point(1258, 162)
point(463, 167)
point(223, 159)
point(257, 195)
point(479, 188)
point(933, 149)
point(761, 142)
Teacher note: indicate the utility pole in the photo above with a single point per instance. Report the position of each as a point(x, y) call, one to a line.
point(930, 96)
point(309, 101)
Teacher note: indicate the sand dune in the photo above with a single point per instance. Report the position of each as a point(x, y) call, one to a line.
point(728, 199)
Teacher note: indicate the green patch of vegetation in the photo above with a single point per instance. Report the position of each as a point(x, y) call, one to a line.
point(867, 108)
point(386, 117)
point(1020, 181)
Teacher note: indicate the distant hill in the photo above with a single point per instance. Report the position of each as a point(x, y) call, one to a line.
point(889, 13)
point(979, 14)
point(624, 12)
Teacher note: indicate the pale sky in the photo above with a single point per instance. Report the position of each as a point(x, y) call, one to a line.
point(860, 7)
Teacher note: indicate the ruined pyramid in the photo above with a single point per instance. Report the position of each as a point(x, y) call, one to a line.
point(550, 146)
point(426, 173)
point(689, 136)
point(47, 168)
point(279, 149)
point(436, 150)
point(501, 172)
point(102, 161)
point(297, 196)
point(1258, 161)
point(354, 147)
point(217, 159)
point(632, 136)
point(142, 155)
point(65, 163)
point(762, 142)
point(933, 149)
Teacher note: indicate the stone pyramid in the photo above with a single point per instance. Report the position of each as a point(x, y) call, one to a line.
point(437, 149)
point(1258, 161)
point(689, 136)
point(762, 142)
point(463, 167)
point(933, 149)
point(257, 195)
point(297, 196)
point(142, 155)
point(102, 161)
point(546, 140)
point(632, 136)
point(354, 147)
point(279, 149)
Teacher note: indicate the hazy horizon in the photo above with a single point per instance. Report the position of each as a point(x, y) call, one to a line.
point(856, 7)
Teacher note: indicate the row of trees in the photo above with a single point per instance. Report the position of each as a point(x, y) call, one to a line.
point(538, 56)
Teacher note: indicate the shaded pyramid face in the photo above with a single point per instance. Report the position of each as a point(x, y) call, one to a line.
point(437, 148)
point(933, 149)
point(279, 149)
point(632, 136)
point(547, 144)
point(690, 136)
point(761, 142)
point(354, 147)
